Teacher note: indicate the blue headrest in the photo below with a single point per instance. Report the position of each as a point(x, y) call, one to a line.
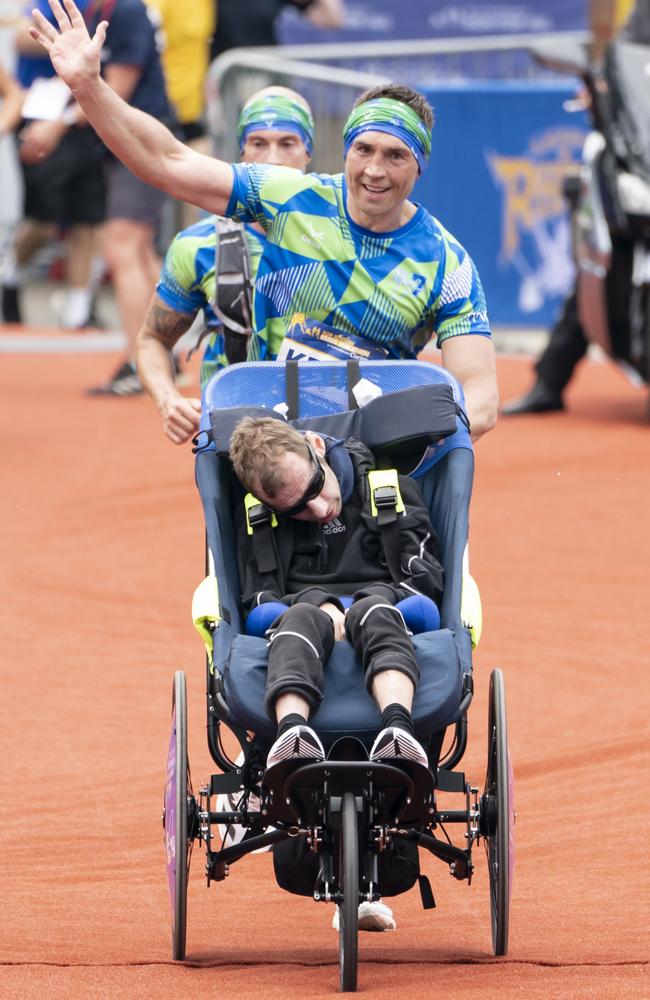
point(324, 390)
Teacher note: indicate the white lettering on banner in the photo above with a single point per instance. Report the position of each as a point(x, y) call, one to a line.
point(492, 19)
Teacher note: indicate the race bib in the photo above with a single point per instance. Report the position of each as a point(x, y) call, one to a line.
point(308, 339)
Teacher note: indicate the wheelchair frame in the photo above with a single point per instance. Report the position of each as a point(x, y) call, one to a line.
point(349, 809)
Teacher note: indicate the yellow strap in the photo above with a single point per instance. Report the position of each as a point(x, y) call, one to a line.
point(384, 477)
point(471, 612)
point(205, 611)
point(249, 502)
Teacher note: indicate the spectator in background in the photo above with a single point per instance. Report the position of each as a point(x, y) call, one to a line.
point(568, 342)
point(12, 101)
point(61, 162)
point(187, 30)
point(131, 66)
point(242, 23)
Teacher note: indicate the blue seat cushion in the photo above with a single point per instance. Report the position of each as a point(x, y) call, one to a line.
point(262, 617)
point(420, 614)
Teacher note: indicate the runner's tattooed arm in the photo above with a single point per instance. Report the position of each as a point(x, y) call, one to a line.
point(164, 324)
point(162, 328)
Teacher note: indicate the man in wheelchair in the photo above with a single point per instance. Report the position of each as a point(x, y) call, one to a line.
point(327, 567)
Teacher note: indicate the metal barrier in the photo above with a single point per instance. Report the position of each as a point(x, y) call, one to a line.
point(322, 73)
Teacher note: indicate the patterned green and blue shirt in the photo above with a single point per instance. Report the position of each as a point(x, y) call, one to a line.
point(187, 283)
point(386, 287)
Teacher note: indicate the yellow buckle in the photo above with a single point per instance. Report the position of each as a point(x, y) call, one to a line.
point(386, 481)
point(257, 514)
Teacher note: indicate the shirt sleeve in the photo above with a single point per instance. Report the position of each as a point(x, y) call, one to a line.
point(178, 285)
point(460, 307)
point(260, 192)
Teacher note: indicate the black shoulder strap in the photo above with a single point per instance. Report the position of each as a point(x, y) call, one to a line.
point(354, 376)
point(385, 504)
point(291, 377)
point(233, 293)
point(260, 522)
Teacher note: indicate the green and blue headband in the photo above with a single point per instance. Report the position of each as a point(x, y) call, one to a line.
point(277, 112)
point(384, 114)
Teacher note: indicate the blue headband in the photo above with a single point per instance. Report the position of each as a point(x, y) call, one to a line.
point(384, 114)
point(279, 113)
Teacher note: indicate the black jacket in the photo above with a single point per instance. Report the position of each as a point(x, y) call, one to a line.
point(317, 562)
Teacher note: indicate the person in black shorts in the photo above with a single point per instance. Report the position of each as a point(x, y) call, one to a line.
point(62, 165)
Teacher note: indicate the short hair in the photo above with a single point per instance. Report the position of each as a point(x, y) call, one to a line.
point(400, 92)
point(256, 446)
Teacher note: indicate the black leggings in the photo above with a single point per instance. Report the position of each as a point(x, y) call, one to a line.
point(303, 640)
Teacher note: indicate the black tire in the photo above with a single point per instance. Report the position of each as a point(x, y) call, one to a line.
point(178, 798)
point(498, 821)
point(349, 906)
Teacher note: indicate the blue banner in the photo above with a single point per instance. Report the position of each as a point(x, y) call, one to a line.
point(382, 20)
point(500, 154)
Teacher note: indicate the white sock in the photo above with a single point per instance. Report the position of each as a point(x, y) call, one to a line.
point(97, 272)
point(10, 274)
point(75, 308)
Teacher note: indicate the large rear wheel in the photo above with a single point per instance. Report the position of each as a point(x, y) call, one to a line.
point(178, 813)
point(497, 815)
point(349, 905)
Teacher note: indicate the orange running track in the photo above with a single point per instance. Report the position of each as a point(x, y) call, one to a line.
point(102, 546)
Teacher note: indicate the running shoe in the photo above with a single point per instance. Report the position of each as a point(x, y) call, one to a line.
point(372, 917)
point(397, 744)
point(297, 742)
point(123, 382)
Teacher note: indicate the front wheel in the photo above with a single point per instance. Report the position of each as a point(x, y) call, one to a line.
point(497, 815)
point(349, 885)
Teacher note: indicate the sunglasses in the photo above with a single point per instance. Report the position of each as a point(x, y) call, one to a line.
point(315, 486)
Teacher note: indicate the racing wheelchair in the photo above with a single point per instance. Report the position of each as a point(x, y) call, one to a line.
point(346, 821)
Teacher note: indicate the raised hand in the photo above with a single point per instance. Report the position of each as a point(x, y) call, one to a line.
point(74, 54)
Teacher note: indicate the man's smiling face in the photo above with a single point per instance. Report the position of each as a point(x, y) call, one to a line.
point(380, 172)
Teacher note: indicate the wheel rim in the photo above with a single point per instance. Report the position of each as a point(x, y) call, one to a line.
point(349, 884)
point(498, 806)
point(179, 800)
